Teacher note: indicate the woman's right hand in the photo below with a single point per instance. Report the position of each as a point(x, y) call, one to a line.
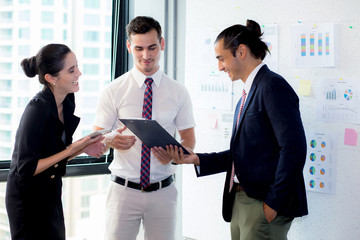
point(77, 146)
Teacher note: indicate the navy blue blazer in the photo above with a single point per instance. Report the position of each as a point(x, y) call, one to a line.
point(268, 149)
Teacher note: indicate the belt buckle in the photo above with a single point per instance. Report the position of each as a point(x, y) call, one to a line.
point(142, 189)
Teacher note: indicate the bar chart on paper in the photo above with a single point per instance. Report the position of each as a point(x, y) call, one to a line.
point(313, 45)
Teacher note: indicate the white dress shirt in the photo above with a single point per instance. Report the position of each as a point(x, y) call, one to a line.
point(123, 98)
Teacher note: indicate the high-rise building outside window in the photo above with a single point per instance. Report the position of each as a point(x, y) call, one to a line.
point(85, 26)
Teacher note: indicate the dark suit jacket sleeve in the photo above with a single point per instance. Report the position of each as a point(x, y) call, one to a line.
point(212, 163)
point(29, 137)
point(282, 107)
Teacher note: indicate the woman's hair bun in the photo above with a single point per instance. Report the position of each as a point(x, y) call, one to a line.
point(29, 66)
point(254, 27)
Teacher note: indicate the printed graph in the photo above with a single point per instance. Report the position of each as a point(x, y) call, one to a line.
point(313, 45)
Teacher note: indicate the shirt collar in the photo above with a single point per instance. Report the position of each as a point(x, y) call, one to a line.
point(140, 77)
point(250, 79)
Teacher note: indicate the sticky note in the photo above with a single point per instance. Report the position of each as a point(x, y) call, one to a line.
point(350, 137)
point(304, 87)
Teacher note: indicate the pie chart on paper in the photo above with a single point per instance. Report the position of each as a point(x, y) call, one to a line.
point(348, 94)
point(312, 170)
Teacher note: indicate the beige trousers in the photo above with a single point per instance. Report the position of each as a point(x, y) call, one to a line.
point(127, 207)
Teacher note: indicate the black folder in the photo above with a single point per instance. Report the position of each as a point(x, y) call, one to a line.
point(151, 133)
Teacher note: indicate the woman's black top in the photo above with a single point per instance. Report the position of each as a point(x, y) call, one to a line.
point(34, 203)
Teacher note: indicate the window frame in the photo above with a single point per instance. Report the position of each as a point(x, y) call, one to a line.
point(85, 165)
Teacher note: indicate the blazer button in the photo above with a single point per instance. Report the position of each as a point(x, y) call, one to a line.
point(52, 176)
point(56, 165)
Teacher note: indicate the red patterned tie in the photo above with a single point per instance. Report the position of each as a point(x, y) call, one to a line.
point(145, 151)
point(237, 125)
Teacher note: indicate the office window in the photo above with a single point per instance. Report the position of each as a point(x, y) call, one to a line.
point(107, 69)
point(6, 34)
point(6, 17)
point(89, 102)
point(47, 2)
point(89, 185)
point(90, 52)
point(24, 84)
point(85, 201)
point(107, 53)
point(91, 69)
point(91, 36)
point(5, 102)
point(64, 35)
point(5, 51)
point(24, 50)
point(24, 16)
point(19, 39)
point(88, 118)
point(23, 101)
point(85, 214)
point(5, 118)
point(5, 84)
point(24, 33)
point(65, 18)
point(6, 2)
point(5, 136)
point(92, 4)
point(91, 86)
point(108, 37)
point(5, 68)
point(91, 20)
point(5, 152)
point(47, 34)
point(108, 20)
point(47, 17)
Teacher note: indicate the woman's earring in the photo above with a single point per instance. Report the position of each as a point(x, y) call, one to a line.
point(54, 84)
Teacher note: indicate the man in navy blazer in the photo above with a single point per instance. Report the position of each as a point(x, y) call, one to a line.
point(264, 189)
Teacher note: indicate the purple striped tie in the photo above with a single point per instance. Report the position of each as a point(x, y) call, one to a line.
point(145, 151)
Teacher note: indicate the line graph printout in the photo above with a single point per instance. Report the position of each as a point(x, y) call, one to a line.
point(313, 45)
point(338, 101)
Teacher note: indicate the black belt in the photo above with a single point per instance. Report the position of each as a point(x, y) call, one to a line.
point(152, 187)
point(237, 187)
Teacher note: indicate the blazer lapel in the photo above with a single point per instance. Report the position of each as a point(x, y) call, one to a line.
point(249, 98)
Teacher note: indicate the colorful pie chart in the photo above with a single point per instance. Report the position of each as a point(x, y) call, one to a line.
point(313, 143)
point(312, 170)
point(323, 158)
point(322, 171)
point(348, 94)
point(312, 157)
point(322, 184)
point(312, 183)
point(323, 144)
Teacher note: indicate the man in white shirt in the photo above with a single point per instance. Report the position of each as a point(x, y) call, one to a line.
point(128, 202)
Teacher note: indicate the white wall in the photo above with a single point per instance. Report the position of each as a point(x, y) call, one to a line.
point(331, 216)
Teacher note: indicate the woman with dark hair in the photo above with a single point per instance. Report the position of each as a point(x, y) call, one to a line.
point(43, 145)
